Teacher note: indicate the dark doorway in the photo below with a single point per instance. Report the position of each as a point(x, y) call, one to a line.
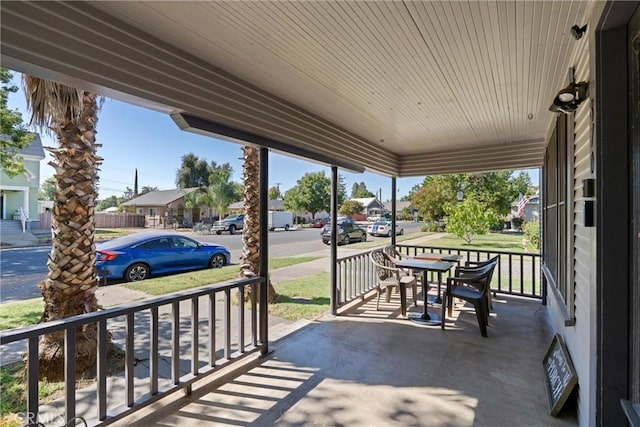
point(634, 164)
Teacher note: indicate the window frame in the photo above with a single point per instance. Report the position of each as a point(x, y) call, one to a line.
point(558, 215)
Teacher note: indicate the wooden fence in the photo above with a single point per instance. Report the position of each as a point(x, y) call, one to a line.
point(103, 220)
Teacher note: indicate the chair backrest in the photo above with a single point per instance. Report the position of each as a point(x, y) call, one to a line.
point(384, 265)
point(392, 252)
point(478, 277)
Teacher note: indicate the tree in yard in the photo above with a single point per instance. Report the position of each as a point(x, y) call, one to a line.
point(250, 258)
point(359, 191)
point(135, 184)
point(16, 136)
point(147, 189)
point(274, 193)
point(47, 189)
point(109, 202)
point(350, 207)
point(468, 219)
point(71, 282)
point(193, 172)
point(292, 201)
point(432, 197)
point(221, 191)
point(314, 192)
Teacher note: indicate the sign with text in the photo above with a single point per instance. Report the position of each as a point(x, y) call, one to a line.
point(559, 373)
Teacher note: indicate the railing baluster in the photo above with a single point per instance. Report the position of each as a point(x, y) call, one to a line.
point(212, 328)
point(499, 272)
point(241, 319)
point(129, 359)
point(254, 315)
point(175, 343)
point(32, 377)
point(227, 324)
point(510, 274)
point(522, 274)
point(101, 369)
point(195, 339)
point(70, 373)
point(153, 352)
point(533, 275)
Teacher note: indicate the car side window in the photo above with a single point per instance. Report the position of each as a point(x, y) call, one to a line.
point(163, 243)
point(182, 243)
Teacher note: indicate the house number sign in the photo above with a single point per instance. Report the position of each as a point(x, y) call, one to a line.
point(560, 374)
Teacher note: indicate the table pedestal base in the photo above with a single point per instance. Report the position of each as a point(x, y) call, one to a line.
point(429, 319)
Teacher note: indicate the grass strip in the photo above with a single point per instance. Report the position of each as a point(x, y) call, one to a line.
point(303, 298)
point(20, 313)
point(180, 282)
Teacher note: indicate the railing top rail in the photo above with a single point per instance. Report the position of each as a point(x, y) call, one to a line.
point(492, 251)
point(83, 319)
point(360, 255)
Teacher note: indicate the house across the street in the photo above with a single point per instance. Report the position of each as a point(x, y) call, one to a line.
point(166, 208)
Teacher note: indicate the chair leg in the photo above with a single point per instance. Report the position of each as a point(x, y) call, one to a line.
point(443, 309)
point(378, 300)
point(388, 294)
point(414, 289)
point(482, 317)
point(403, 299)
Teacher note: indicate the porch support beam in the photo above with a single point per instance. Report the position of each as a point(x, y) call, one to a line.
point(264, 249)
point(393, 210)
point(334, 240)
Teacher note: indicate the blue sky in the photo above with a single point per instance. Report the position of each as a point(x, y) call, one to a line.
point(133, 137)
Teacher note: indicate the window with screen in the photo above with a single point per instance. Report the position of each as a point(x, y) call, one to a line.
point(557, 176)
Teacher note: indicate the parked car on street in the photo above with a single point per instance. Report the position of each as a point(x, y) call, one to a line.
point(232, 223)
point(138, 256)
point(347, 232)
point(383, 228)
point(318, 223)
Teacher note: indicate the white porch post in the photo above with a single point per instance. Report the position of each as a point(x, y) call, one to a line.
point(25, 202)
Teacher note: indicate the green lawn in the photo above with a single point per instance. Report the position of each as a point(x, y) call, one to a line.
point(486, 242)
point(21, 313)
point(303, 298)
point(180, 282)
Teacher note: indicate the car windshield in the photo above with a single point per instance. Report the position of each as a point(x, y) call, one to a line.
point(232, 217)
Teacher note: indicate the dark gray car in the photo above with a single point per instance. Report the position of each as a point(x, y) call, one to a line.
point(347, 233)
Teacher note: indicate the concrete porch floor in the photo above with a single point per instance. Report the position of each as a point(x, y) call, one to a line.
point(375, 368)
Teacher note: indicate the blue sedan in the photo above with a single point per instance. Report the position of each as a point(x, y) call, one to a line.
point(138, 256)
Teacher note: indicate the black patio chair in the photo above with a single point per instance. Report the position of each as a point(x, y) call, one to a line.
point(473, 288)
point(471, 267)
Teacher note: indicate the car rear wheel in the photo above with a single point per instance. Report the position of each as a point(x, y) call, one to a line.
point(364, 237)
point(401, 231)
point(232, 229)
point(136, 272)
point(286, 227)
point(218, 232)
point(217, 261)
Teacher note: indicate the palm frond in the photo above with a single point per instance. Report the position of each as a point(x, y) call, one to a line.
point(51, 102)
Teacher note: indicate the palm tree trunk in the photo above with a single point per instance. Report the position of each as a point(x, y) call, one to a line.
point(71, 282)
point(250, 259)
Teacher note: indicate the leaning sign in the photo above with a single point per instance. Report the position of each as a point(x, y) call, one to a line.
point(559, 373)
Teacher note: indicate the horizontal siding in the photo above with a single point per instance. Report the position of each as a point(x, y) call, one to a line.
point(581, 335)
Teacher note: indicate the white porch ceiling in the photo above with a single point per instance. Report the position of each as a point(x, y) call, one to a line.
point(407, 88)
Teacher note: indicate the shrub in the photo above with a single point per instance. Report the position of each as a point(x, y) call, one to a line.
point(517, 222)
point(532, 233)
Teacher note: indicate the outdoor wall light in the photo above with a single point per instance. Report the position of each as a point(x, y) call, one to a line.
point(577, 31)
point(568, 99)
